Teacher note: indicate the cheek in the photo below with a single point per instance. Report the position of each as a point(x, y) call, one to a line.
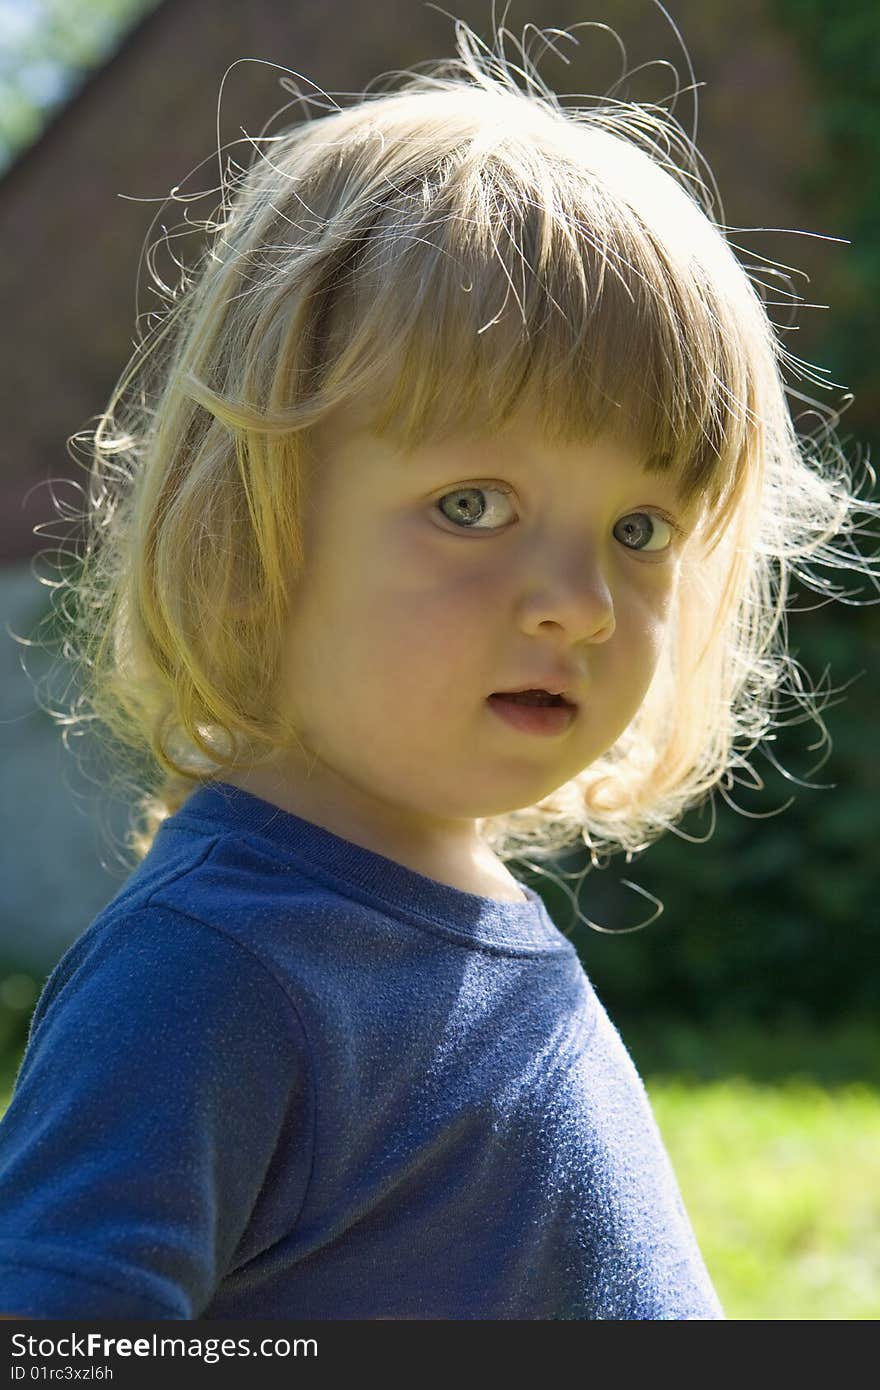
point(428, 638)
point(651, 602)
point(652, 636)
point(394, 612)
point(640, 635)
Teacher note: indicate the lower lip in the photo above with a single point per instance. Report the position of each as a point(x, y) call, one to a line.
point(533, 719)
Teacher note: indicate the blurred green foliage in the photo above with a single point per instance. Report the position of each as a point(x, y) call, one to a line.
point(18, 995)
point(773, 1053)
point(841, 46)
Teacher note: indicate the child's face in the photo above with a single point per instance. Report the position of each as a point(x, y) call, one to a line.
point(407, 620)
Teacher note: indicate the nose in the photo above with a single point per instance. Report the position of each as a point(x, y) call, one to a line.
point(568, 592)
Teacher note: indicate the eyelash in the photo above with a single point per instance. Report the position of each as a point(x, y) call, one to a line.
point(675, 528)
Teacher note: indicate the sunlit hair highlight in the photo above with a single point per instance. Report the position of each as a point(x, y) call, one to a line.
point(446, 257)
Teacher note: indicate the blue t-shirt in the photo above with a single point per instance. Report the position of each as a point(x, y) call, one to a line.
point(282, 1076)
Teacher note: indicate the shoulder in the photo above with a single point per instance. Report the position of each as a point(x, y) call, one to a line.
point(155, 1019)
point(207, 908)
point(231, 881)
point(155, 978)
point(164, 1073)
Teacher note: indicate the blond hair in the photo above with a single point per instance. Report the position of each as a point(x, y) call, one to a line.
point(448, 254)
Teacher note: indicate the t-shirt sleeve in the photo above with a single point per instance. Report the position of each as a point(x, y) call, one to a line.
point(165, 1075)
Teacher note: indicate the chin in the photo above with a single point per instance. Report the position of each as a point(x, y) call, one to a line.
point(502, 806)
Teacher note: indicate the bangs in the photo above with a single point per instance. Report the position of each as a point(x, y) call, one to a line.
point(491, 287)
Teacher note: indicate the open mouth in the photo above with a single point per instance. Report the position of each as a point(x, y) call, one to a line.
point(532, 697)
point(533, 712)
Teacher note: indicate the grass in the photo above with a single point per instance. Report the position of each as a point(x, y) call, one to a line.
point(780, 1182)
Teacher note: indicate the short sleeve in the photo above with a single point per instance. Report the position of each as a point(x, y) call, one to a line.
point(163, 1097)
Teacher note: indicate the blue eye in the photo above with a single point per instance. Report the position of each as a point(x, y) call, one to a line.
point(644, 531)
point(466, 507)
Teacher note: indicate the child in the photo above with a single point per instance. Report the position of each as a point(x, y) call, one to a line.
point(447, 516)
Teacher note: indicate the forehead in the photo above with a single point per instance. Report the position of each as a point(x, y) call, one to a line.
point(520, 448)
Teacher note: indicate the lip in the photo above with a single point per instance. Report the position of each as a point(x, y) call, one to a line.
point(542, 720)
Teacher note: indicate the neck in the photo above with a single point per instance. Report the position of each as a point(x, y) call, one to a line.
point(453, 854)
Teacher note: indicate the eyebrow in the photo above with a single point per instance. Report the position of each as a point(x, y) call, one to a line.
point(687, 511)
point(430, 463)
